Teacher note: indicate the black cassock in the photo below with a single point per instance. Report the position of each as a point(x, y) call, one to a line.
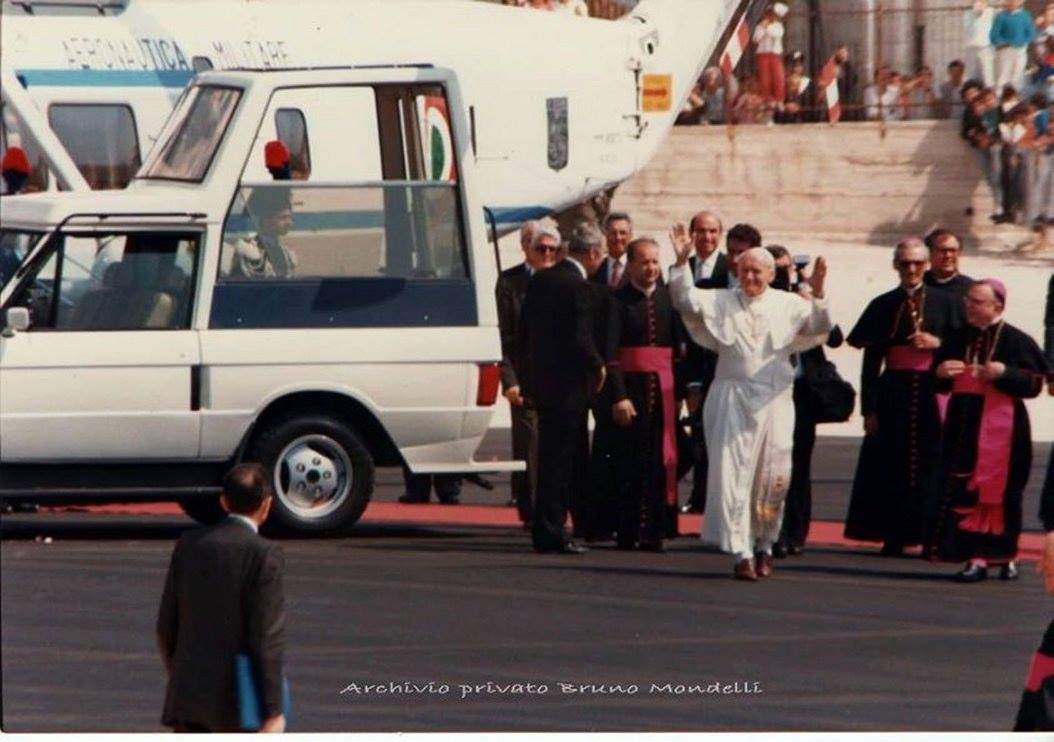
point(894, 491)
point(1036, 712)
point(642, 513)
point(1023, 379)
point(955, 287)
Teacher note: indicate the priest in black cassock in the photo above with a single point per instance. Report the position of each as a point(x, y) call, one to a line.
point(1036, 712)
point(644, 395)
point(945, 248)
point(894, 491)
point(943, 275)
point(989, 366)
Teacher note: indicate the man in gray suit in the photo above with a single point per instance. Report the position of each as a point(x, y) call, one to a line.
point(223, 597)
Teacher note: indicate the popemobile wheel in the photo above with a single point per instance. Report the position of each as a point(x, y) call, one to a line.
point(321, 472)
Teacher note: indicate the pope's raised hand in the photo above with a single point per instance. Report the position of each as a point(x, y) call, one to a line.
point(681, 241)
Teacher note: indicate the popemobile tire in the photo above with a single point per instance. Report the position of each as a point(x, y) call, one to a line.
point(204, 509)
point(321, 472)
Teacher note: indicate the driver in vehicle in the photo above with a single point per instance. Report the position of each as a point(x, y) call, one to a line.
point(263, 255)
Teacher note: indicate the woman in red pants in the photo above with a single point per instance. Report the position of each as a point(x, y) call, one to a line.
point(768, 42)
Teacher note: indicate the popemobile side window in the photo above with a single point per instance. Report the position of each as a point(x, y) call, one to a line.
point(130, 281)
point(374, 237)
point(309, 232)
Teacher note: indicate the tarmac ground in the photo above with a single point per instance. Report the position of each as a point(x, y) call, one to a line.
point(426, 622)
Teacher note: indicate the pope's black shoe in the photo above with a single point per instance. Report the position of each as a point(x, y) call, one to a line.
point(972, 573)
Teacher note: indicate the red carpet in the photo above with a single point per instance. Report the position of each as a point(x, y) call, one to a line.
point(822, 533)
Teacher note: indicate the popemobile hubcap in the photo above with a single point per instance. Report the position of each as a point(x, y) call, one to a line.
point(313, 476)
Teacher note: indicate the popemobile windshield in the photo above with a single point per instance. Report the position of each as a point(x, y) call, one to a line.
point(298, 275)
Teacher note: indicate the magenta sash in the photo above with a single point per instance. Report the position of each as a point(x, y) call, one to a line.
point(656, 360)
point(906, 358)
point(994, 442)
point(1042, 668)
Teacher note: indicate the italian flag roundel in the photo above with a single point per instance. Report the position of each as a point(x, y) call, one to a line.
point(437, 142)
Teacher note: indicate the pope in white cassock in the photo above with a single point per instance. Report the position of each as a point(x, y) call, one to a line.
point(748, 418)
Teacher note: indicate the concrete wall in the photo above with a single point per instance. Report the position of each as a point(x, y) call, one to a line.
point(852, 181)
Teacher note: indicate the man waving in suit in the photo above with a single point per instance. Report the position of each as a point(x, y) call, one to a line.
point(223, 597)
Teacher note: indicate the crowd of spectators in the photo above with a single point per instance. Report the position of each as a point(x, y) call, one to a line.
point(1005, 90)
point(1002, 47)
point(1002, 91)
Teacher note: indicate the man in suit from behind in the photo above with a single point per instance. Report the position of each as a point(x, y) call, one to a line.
point(540, 246)
point(223, 597)
point(564, 368)
point(710, 269)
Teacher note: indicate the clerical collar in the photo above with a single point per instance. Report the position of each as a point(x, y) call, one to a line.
point(246, 520)
point(579, 266)
point(943, 281)
point(647, 291)
point(993, 324)
point(912, 290)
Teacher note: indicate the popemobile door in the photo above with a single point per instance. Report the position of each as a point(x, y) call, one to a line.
point(107, 370)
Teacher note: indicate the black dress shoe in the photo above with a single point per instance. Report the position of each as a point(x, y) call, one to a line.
point(972, 573)
point(1008, 571)
point(780, 550)
point(690, 508)
point(411, 500)
point(449, 501)
point(794, 550)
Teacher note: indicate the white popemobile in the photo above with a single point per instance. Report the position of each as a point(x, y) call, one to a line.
point(321, 306)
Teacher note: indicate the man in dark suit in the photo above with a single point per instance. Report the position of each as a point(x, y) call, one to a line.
point(564, 369)
point(611, 274)
point(710, 267)
point(618, 233)
point(540, 244)
point(797, 507)
point(223, 597)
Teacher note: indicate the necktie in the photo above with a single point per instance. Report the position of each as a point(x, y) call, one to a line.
point(616, 274)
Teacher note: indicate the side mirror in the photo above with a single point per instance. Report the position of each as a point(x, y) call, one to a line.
point(16, 320)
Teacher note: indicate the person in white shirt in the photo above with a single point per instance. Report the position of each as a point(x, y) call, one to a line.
point(882, 100)
point(980, 55)
point(768, 41)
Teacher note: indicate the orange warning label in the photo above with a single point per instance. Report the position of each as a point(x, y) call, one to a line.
point(656, 93)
